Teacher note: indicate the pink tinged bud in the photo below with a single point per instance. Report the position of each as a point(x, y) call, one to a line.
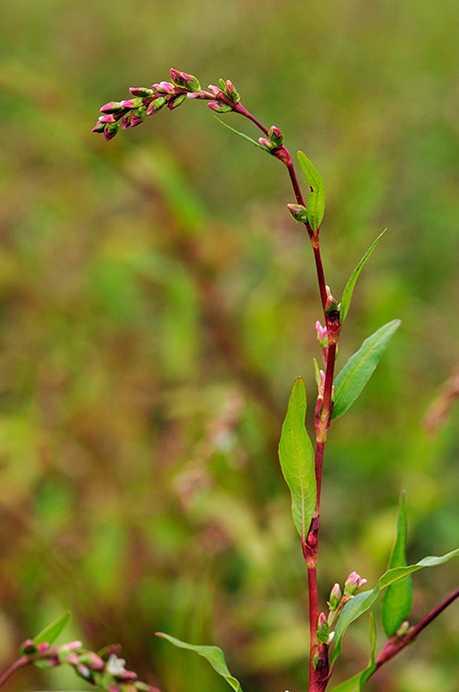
point(214, 90)
point(112, 107)
point(298, 211)
point(175, 103)
point(99, 127)
point(84, 672)
point(138, 116)
point(352, 583)
point(164, 88)
point(155, 105)
point(219, 107)
point(74, 646)
point(28, 647)
point(231, 92)
point(141, 92)
point(322, 334)
point(331, 305)
point(275, 135)
point(92, 660)
point(323, 630)
point(41, 648)
point(110, 131)
point(126, 121)
point(267, 143)
point(185, 80)
point(126, 675)
point(335, 597)
point(132, 103)
point(107, 118)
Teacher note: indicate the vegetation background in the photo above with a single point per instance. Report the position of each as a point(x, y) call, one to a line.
point(157, 303)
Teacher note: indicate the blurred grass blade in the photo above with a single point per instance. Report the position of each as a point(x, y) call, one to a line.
point(349, 288)
point(355, 684)
point(316, 200)
point(52, 631)
point(360, 367)
point(398, 598)
point(212, 653)
point(241, 134)
point(296, 456)
point(363, 601)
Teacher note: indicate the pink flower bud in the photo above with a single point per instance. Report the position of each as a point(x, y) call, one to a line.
point(164, 88)
point(276, 136)
point(155, 105)
point(112, 107)
point(335, 597)
point(184, 80)
point(214, 90)
point(322, 334)
point(175, 103)
point(219, 107)
point(352, 583)
point(141, 92)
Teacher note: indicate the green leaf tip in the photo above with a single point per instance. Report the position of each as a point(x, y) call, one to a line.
point(296, 456)
point(360, 367)
point(349, 288)
point(50, 633)
point(398, 598)
point(316, 200)
point(212, 654)
point(242, 135)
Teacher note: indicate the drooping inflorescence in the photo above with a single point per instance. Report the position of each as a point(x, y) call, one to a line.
point(146, 101)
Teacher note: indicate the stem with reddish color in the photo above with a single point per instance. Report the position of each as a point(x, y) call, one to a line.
point(23, 661)
point(319, 672)
point(396, 643)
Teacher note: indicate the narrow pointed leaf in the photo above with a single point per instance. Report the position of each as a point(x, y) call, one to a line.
point(296, 456)
point(212, 653)
point(363, 601)
point(356, 683)
point(52, 631)
point(398, 598)
point(347, 293)
point(241, 134)
point(316, 199)
point(370, 669)
point(360, 367)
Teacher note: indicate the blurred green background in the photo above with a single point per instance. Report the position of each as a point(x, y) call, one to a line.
point(157, 303)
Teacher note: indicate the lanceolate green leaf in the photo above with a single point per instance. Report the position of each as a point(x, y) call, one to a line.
point(398, 598)
point(363, 601)
point(360, 367)
point(242, 135)
point(347, 293)
point(356, 683)
point(296, 456)
point(316, 199)
point(52, 631)
point(212, 653)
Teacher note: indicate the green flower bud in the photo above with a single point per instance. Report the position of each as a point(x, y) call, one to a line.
point(298, 211)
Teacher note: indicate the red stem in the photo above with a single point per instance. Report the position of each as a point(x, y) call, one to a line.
point(24, 660)
point(396, 643)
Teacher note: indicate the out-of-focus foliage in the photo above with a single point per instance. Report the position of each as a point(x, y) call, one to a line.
point(158, 301)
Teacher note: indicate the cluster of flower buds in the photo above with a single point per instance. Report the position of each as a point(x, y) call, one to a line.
point(225, 97)
point(145, 102)
point(336, 603)
point(104, 670)
point(274, 140)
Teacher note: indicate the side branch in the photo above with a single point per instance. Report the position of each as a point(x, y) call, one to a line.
point(397, 643)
